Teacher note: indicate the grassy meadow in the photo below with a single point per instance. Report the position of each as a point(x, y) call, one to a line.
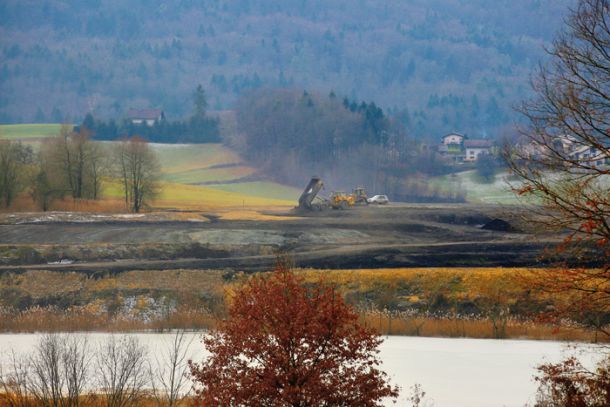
point(199, 163)
point(184, 168)
point(195, 197)
point(496, 192)
point(263, 189)
point(28, 131)
point(214, 177)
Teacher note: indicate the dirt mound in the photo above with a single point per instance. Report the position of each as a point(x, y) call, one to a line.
point(499, 225)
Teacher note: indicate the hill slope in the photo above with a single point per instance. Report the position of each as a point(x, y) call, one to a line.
point(442, 64)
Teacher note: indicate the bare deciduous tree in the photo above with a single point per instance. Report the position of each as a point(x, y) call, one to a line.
point(45, 182)
point(76, 360)
point(13, 159)
point(121, 366)
point(565, 161)
point(168, 375)
point(78, 162)
point(14, 383)
point(47, 382)
point(138, 169)
point(58, 370)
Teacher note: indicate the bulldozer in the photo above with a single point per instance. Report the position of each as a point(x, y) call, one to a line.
point(359, 195)
point(310, 200)
point(341, 200)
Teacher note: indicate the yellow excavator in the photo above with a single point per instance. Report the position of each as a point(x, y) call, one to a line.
point(341, 200)
point(338, 200)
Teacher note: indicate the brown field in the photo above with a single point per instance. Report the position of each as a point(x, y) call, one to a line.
point(196, 299)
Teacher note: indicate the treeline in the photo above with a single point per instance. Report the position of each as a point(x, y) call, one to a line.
point(311, 127)
point(199, 128)
point(193, 130)
point(291, 135)
point(74, 166)
point(441, 66)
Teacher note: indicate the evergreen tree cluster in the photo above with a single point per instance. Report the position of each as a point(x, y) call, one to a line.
point(194, 130)
point(105, 56)
point(199, 128)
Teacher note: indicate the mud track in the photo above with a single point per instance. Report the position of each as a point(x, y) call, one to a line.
point(372, 237)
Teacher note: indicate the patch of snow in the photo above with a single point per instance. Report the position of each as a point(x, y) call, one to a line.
point(62, 261)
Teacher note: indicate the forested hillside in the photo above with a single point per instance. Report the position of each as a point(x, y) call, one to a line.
point(440, 65)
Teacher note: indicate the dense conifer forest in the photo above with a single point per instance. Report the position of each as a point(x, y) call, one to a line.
point(436, 65)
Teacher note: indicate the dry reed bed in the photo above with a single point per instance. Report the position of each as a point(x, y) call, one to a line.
point(386, 323)
point(373, 292)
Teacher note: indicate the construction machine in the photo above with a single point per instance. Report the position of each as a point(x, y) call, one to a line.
point(359, 194)
point(341, 200)
point(310, 200)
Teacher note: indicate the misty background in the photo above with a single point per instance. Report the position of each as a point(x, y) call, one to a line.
point(438, 65)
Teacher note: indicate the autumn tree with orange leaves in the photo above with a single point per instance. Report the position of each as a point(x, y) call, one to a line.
point(563, 162)
point(288, 344)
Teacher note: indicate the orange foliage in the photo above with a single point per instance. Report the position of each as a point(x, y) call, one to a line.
point(24, 203)
point(287, 344)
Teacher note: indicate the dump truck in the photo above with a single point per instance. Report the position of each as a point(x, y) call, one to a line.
point(307, 200)
point(310, 200)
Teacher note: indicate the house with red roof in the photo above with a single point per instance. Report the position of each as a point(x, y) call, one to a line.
point(147, 116)
point(474, 148)
point(460, 148)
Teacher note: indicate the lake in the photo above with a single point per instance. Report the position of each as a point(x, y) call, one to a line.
point(452, 372)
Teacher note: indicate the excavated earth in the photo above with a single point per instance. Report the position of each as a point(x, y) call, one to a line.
point(398, 235)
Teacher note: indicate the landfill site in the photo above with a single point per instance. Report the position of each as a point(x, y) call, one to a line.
point(318, 232)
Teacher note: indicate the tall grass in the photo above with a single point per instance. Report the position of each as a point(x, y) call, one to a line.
point(78, 319)
point(394, 301)
point(24, 203)
point(463, 327)
point(50, 319)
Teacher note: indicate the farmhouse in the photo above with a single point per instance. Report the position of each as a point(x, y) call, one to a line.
point(568, 147)
point(590, 156)
point(474, 148)
point(460, 149)
point(453, 138)
point(147, 116)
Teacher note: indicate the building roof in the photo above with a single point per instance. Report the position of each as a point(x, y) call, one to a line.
point(477, 144)
point(453, 134)
point(144, 114)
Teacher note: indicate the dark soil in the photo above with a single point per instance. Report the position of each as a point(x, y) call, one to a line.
point(368, 237)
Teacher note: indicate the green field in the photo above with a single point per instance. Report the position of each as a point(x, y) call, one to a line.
point(183, 166)
point(194, 197)
point(262, 189)
point(199, 163)
point(214, 163)
point(28, 131)
point(497, 192)
point(208, 175)
point(176, 158)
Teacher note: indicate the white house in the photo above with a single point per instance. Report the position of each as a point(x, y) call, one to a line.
point(474, 148)
point(453, 138)
point(148, 116)
point(590, 156)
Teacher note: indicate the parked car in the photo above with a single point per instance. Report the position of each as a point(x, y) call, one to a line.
point(379, 200)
